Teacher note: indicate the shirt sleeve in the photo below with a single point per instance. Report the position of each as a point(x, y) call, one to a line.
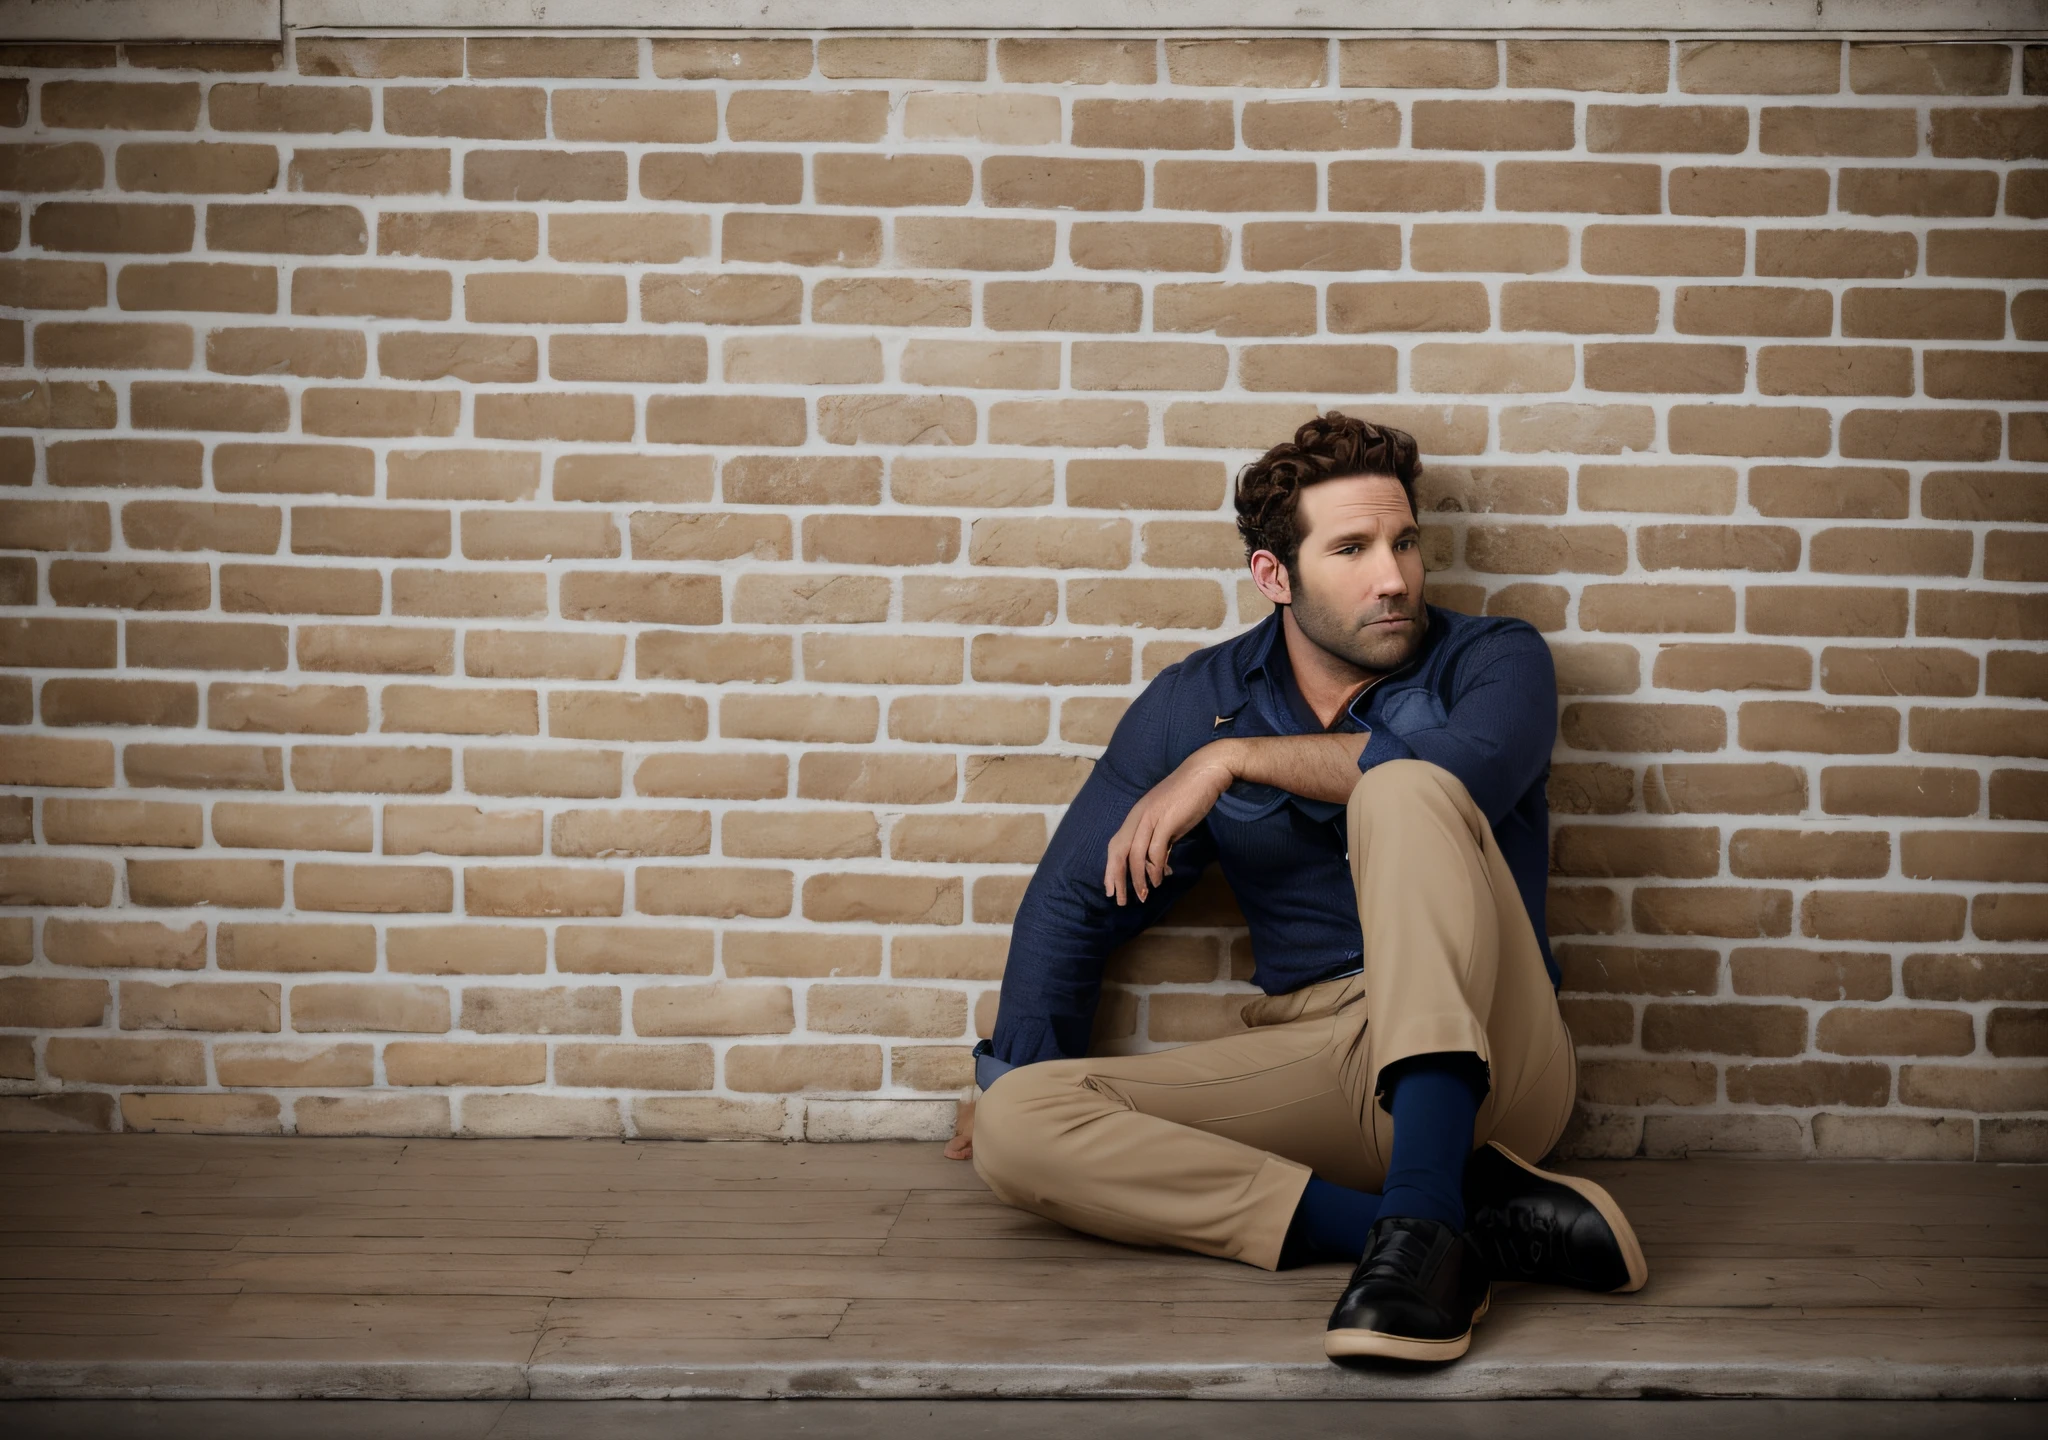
point(1066, 927)
point(1501, 723)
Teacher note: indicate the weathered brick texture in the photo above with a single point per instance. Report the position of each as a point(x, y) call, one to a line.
point(560, 584)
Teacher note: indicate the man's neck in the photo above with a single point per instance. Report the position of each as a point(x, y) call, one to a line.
point(1327, 682)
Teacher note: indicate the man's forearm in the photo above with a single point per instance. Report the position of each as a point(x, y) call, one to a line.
point(1321, 767)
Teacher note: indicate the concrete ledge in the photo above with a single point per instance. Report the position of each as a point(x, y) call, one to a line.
point(173, 20)
point(1689, 16)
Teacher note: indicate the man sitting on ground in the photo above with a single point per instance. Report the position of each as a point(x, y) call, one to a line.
point(1369, 772)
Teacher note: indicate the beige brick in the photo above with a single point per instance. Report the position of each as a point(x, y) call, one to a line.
point(1859, 915)
point(714, 658)
point(612, 715)
point(1732, 667)
point(1929, 69)
point(462, 711)
point(843, 719)
point(1632, 970)
point(719, 894)
point(1122, 245)
point(83, 701)
point(282, 1063)
point(369, 1006)
point(293, 109)
point(803, 1068)
point(611, 833)
point(446, 1062)
point(634, 950)
point(291, 827)
point(885, 1010)
point(726, 177)
point(201, 1005)
point(1750, 430)
point(71, 644)
point(1408, 305)
point(883, 660)
point(207, 405)
point(455, 593)
point(47, 1003)
point(407, 355)
point(372, 1115)
point(1625, 725)
point(642, 598)
point(657, 479)
point(538, 890)
point(809, 599)
point(648, 239)
point(1418, 64)
point(560, 1010)
point(412, 770)
point(294, 469)
point(1660, 129)
point(814, 834)
point(968, 720)
point(635, 1067)
point(877, 778)
point(884, 899)
point(1874, 190)
point(968, 839)
point(370, 171)
point(372, 889)
point(991, 119)
point(539, 654)
point(51, 760)
point(292, 947)
point(727, 420)
point(536, 534)
point(460, 830)
point(123, 1061)
point(713, 1009)
point(1760, 67)
point(1513, 369)
point(121, 822)
point(1897, 790)
point(714, 777)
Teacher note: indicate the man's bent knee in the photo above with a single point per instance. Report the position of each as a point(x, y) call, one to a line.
point(1389, 783)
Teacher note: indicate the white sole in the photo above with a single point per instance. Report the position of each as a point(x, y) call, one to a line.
point(1599, 1199)
point(1347, 1344)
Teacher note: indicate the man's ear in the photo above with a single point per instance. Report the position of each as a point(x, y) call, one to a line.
point(1271, 577)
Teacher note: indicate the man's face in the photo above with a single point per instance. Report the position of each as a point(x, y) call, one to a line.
point(1357, 586)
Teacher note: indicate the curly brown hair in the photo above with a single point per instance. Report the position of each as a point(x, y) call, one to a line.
point(1331, 445)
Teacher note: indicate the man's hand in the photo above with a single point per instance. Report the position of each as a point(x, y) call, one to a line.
point(1176, 805)
point(961, 1146)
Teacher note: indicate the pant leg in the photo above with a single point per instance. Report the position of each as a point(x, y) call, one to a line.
point(1206, 1147)
point(1451, 958)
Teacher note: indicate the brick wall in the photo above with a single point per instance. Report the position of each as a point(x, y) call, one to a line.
point(558, 585)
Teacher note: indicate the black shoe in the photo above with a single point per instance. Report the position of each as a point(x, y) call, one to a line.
point(1413, 1297)
point(1530, 1224)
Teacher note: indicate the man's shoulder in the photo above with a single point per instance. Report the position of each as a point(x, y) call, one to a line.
point(1214, 670)
point(1471, 644)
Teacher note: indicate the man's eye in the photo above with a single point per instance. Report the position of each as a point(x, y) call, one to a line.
point(1406, 542)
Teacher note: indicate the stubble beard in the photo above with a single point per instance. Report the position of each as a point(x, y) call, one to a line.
point(1350, 637)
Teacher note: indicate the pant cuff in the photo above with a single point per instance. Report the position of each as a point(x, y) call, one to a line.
point(1276, 1195)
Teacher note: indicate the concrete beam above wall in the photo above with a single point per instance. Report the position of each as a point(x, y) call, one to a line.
point(1690, 16)
point(173, 20)
point(215, 20)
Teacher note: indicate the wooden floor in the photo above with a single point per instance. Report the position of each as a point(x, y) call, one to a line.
point(187, 1267)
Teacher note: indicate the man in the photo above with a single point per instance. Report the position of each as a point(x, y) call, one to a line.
point(1369, 773)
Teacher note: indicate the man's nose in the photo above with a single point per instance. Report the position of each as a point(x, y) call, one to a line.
point(1386, 577)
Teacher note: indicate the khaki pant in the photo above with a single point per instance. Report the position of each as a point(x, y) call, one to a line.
point(1208, 1147)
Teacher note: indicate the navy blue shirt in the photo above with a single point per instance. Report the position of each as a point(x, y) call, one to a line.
point(1480, 699)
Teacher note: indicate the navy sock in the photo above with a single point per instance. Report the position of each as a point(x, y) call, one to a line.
point(1330, 1223)
point(1435, 1099)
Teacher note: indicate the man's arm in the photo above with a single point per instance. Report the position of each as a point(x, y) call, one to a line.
point(1067, 924)
point(1496, 739)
